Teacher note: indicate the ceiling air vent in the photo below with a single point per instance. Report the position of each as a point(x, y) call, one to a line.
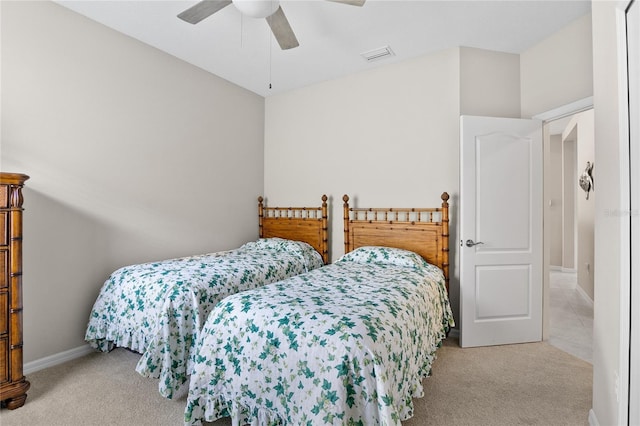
point(377, 54)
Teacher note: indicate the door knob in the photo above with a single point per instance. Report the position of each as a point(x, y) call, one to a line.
point(471, 243)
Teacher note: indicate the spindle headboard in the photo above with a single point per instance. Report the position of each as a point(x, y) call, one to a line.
point(421, 230)
point(308, 224)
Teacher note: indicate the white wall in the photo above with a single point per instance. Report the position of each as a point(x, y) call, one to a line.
point(610, 255)
point(557, 71)
point(133, 156)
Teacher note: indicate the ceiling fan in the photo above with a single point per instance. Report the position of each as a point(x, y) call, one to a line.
point(269, 9)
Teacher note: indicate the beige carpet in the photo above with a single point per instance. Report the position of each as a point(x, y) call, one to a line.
point(531, 384)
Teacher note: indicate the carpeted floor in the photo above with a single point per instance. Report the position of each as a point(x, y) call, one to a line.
point(528, 384)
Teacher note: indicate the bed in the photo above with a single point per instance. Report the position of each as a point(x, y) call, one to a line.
point(158, 308)
point(347, 343)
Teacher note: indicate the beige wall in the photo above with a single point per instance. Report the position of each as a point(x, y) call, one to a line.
point(554, 171)
point(558, 70)
point(489, 83)
point(386, 137)
point(569, 191)
point(582, 126)
point(133, 156)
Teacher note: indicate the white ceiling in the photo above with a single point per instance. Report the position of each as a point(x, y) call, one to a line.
point(332, 36)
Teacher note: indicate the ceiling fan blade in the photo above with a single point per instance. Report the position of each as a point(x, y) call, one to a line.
point(202, 10)
point(282, 30)
point(350, 2)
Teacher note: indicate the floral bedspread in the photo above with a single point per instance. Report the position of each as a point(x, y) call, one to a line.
point(159, 308)
point(345, 344)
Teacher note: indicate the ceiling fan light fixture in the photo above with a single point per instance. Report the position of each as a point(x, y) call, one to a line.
point(257, 8)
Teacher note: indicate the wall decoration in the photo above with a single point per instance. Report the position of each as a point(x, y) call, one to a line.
point(586, 179)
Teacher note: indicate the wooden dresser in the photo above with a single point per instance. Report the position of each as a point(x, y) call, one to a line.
point(13, 384)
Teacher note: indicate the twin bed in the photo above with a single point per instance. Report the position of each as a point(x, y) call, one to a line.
point(344, 343)
point(159, 308)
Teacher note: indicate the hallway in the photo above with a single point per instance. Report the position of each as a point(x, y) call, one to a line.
point(571, 316)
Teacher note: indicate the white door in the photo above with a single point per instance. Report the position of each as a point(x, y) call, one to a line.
point(500, 230)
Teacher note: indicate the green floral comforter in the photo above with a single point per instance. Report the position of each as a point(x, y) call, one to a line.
point(345, 344)
point(159, 308)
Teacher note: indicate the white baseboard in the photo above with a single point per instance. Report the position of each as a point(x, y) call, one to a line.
point(584, 294)
point(56, 359)
point(593, 421)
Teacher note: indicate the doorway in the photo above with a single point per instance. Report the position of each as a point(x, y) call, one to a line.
point(570, 214)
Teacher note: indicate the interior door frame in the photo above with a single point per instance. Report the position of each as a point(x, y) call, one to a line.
point(633, 125)
point(628, 386)
point(546, 117)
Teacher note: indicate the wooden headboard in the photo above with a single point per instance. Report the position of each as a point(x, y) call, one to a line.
point(422, 230)
point(308, 224)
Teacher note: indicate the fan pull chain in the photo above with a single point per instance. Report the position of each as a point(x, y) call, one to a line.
point(270, 59)
point(270, 55)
